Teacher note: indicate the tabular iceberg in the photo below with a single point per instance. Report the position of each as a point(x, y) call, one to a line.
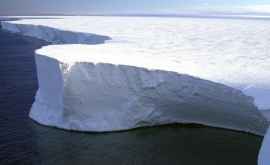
point(96, 88)
point(118, 86)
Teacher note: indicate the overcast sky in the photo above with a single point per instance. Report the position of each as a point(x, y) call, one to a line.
point(24, 7)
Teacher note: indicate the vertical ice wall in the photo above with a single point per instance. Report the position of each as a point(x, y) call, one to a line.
point(102, 96)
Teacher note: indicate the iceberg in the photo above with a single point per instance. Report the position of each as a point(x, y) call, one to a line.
point(96, 88)
point(127, 82)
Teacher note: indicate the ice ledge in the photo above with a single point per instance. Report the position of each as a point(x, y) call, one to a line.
point(100, 96)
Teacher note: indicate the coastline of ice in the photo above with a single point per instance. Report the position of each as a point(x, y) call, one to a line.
point(55, 36)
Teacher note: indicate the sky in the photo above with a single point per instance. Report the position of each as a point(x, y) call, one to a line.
point(79, 7)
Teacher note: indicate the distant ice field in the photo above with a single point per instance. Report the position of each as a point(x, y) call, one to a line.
point(234, 52)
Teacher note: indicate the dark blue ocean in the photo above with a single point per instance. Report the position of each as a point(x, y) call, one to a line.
point(24, 142)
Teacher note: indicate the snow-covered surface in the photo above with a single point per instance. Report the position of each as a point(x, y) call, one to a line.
point(231, 52)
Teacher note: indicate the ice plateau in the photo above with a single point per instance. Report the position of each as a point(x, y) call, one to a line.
point(127, 82)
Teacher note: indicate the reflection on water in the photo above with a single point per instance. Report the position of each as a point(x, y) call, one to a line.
point(24, 142)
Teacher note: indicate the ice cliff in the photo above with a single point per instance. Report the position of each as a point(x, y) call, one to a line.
point(115, 86)
point(55, 36)
point(104, 91)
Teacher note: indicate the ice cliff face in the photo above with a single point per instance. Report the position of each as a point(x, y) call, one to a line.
point(55, 36)
point(102, 93)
